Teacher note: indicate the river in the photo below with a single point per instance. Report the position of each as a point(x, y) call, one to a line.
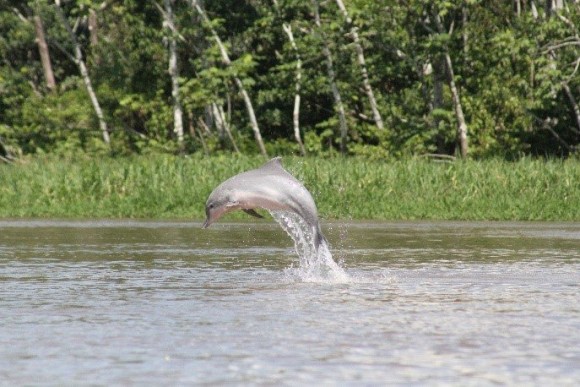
point(166, 303)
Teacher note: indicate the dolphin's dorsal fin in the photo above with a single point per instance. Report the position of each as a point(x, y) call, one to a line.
point(276, 163)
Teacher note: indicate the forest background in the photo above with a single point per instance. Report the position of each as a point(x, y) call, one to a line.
point(388, 83)
point(375, 78)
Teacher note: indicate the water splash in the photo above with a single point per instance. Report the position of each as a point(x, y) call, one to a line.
point(316, 265)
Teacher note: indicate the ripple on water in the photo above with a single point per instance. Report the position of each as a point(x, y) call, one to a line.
point(427, 304)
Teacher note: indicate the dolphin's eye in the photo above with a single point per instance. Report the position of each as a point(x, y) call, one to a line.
point(210, 206)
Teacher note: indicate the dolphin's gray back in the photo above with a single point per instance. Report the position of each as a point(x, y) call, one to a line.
point(272, 180)
point(303, 202)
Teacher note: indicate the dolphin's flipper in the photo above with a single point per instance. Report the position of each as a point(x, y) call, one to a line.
point(252, 212)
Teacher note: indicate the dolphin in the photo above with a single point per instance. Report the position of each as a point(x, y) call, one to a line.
point(270, 187)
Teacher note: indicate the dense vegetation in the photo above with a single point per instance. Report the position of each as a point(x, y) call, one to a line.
point(344, 188)
point(494, 78)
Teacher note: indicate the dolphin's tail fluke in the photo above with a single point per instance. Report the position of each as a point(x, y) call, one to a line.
point(319, 237)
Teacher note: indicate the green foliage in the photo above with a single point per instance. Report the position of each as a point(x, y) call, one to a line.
point(511, 70)
point(344, 188)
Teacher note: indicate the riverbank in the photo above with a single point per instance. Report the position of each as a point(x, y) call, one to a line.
point(351, 188)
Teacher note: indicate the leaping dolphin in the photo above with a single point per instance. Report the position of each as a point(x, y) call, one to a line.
point(270, 187)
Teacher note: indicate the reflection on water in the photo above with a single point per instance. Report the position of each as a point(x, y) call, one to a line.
point(168, 303)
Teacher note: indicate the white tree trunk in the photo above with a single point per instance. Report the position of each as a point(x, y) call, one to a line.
point(296, 112)
point(193, 131)
point(573, 104)
point(459, 117)
point(534, 9)
point(251, 116)
point(553, 63)
point(565, 86)
point(438, 71)
point(461, 124)
point(332, 80)
point(518, 7)
point(239, 84)
point(78, 58)
point(174, 72)
point(363, 67)
point(44, 53)
point(93, 27)
point(221, 121)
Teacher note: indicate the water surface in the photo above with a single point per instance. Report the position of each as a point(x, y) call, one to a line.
point(164, 303)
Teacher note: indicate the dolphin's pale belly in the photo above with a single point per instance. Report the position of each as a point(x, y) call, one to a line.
point(263, 202)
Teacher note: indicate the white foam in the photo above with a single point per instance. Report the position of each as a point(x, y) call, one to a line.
point(316, 265)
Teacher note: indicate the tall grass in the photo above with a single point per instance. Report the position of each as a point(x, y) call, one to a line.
point(344, 188)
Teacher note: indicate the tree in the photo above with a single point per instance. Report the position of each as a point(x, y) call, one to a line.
point(287, 27)
point(169, 25)
point(248, 102)
point(79, 61)
point(363, 66)
point(296, 112)
point(331, 78)
point(44, 53)
point(459, 116)
point(479, 79)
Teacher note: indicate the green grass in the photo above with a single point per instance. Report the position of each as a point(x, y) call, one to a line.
point(350, 188)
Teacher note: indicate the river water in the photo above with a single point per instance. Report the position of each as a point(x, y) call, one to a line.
point(166, 303)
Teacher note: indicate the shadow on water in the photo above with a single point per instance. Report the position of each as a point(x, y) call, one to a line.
point(132, 302)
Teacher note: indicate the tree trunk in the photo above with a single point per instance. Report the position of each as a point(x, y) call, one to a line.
point(221, 122)
point(465, 30)
point(239, 84)
point(252, 116)
point(296, 112)
point(461, 125)
point(460, 118)
point(573, 104)
point(439, 71)
point(534, 9)
point(94, 34)
point(5, 155)
point(553, 6)
point(174, 74)
point(332, 80)
point(363, 67)
point(439, 77)
point(44, 53)
point(518, 7)
point(93, 28)
point(78, 58)
point(193, 132)
point(553, 63)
